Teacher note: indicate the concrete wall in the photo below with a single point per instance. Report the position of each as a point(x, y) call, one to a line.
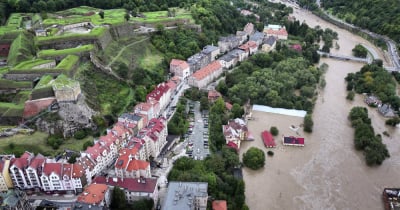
point(28, 77)
point(68, 93)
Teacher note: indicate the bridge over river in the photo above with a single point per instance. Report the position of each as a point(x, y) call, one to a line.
point(368, 60)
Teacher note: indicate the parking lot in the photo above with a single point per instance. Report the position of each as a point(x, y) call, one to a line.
point(198, 145)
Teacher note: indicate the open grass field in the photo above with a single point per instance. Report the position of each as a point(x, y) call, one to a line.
point(11, 109)
point(36, 143)
point(95, 33)
point(68, 51)
point(22, 48)
point(68, 62)
point(160, 16)
point(31, 63)
point(81, 14)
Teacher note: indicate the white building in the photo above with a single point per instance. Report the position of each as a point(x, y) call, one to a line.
point(179, 68)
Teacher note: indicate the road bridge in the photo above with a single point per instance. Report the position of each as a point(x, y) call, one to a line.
point(345, 57)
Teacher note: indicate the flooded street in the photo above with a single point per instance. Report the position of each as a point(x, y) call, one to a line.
point(327, 173)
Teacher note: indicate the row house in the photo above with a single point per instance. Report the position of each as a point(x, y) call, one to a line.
point(206, 75)
point(239, 54)
point(147, 111)
point(228, 43)
point(154, 137)
point(257, 37)
point(175, 83)
point(242, 36)
point(34, 171)
point(277, 31)
point(134, 188)
point(133, 122)
point(161, 94)
point(100, 155)
point(95, 195)
point(249, 29)
point(18, 172)
point(5, 177)
point(228, 61)
point(179, 68)
point(234, 132)
point(63, 177)
point(129, 164)
point(88, 167)
point(249, 47)
point(203, 58)
point(269, 44)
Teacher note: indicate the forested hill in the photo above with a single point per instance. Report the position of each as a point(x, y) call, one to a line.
point(382, 17)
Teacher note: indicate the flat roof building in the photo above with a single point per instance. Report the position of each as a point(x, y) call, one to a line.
point(186, 196)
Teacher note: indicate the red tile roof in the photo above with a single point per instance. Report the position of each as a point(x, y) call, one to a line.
point(23, 161)
point(96, 150)
point(228, 106)
point(130, 184)
point(108, 139)
point(158, 92)
point(77, 171)
point(155, 126)
point(280, 32)
point(233, 145)
point(143, 106)
point(86, 163)
point(219, 205)
point(268, 139)
point(33, 107)
point(123, 158)
point(67, 170)
point(207, 70)
point(37, 161)
point(94, 194)
point(135, 165)
point(213, 95)
point(52, 167)
point(176, 63)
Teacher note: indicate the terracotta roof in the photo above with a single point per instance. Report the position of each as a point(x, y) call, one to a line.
point(280, 32)
point(77, 171)
point(213, 94)
point(123, 158)
point(86, 163)
point(67, 170)
point(219, 205)
point(93, 194)
point(130, 184)
point(207, 70)
point(108, 139)
point(158, 92)
point(52, 167)
point(135, 165)
point(37, 161)
point(33, 107)
point(171, 85)
point(143, 106)
point(96, 150)
point(23, 161)
point(178, 63)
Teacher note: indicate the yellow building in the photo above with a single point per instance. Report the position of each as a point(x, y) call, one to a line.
point(5, 178)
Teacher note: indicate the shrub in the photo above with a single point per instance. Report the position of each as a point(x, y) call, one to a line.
point(274, 131)
point(393, 121)
point(350, 95)
point(81, 134)
point(254, 158)
point(308, 123)
point(87, 144)
point(270, 153)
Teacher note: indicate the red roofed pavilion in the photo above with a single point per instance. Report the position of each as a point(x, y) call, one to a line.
point(268, 139)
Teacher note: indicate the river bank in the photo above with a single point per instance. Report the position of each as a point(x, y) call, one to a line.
point(327, 173)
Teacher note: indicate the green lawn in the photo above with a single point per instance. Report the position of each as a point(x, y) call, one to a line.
point(95, 33)
point(53, 52)
point(68, 62)
point(31, 64)
point(37, 143)
point(44, 81)
point(160, 16)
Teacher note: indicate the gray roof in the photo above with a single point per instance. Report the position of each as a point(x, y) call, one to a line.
point(195, 58)
point(181, 194)
point(227, 57)
point(11, 198)
point(131, 117)
point(270, 40)
point(209, 49)
point(235, 52)
point(256, 36)
point(85, 206)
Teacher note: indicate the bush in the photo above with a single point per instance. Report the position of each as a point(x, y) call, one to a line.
point(87, 144)
point(393, 121)
point(350, 95)
point(55, 141)
point(254, 158)
point(270, 153)
point(274, 131)
point(308, 123)
point(360, 51)
point(81, 134)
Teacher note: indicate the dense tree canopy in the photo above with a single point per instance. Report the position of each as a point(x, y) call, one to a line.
point(364, 137)
point(360, 51)
point(254, 158)
point(381, 17)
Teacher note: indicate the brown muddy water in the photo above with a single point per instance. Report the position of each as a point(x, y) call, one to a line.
point(327, 173)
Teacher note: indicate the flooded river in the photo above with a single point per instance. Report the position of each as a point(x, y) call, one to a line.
point(327, 173)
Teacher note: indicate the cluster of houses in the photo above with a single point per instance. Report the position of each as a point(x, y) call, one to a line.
point(204, 67)
point(384, 109)
point(126, 149)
